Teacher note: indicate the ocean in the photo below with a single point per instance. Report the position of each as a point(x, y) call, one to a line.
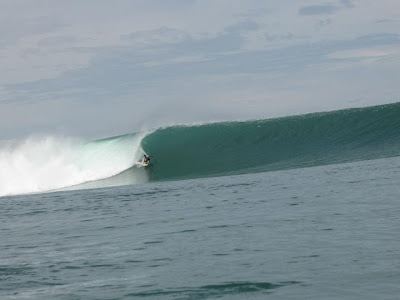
point(301, 207)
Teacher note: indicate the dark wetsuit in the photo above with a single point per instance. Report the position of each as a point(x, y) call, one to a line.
point(146, 159)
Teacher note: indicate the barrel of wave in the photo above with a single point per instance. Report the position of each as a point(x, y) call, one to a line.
point(48, 163)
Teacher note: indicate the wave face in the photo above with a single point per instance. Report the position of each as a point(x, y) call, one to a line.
point(50, 163)
point(182, 152)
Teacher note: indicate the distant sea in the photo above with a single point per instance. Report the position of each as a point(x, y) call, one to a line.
point(302, 207)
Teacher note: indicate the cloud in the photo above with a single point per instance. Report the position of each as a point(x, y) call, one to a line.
point(154, 37)
point(364, 53)
point(347, 3)
point(384, 21)
point(176, 60)
point(12, 30)
point(243, 26)
point(323, 23)
point(76, 64)
point(324, 9)
point(279, 37)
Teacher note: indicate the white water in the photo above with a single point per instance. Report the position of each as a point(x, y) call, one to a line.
point(48, 163)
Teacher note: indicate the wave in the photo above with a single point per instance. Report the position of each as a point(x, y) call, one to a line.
point(182, 152)
point(216, 149)
point(51, 163)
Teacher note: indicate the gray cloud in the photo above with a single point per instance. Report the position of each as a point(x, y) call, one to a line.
point(347, 3)
point(323, 23)
point(57, 41)
point(120, 66)
point(12, 30)
point(384, 21)
point(122, 72)
point(162, 35)
point(279, 37)
point(324, 9)
point(247, 25)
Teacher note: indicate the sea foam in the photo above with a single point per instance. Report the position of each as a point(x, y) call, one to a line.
point(49, 163)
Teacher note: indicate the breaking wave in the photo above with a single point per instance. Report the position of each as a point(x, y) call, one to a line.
point(50, 163)
point(216, 149)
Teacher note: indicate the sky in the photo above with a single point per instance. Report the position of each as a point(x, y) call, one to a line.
point(97, 68)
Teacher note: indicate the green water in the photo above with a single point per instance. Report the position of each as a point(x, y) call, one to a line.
point(181, 152)
point(232, 148)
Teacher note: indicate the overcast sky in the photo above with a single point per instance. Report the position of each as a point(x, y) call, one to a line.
point(98, 68)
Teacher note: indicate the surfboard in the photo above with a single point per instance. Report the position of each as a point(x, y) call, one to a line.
point(145, 164)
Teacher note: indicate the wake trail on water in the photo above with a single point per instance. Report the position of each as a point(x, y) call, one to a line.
point(50, 163)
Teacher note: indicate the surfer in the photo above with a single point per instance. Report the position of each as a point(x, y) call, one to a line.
point(146, 160)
